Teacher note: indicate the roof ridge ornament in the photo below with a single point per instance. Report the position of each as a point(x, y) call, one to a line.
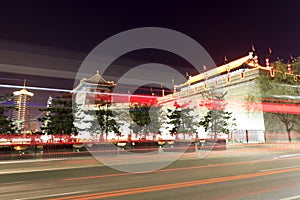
point(225, 60)
point(98, 79)
point(251, 54)
point(225, 68)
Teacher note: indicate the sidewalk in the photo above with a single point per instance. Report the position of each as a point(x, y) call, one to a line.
point(275, 145)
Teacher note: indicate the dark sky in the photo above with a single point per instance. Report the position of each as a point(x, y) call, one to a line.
point(59, 34)
point(223, 28)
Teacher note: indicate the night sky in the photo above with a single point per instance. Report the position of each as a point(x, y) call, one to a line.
point(223, 28)
point(59, 34)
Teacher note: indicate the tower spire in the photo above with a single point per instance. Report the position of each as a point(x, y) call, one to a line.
point(24, 83)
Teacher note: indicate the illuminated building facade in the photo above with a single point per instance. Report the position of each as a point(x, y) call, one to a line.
point(236, 80)
point(255, 120)
point(90, 94)
point(94, 91)
point(21, 114)
point(34, 125)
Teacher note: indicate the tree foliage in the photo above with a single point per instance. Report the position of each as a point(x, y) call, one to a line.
point(145, 118)
point(174, 119)
point(217, 120)
point(106, 120)
point(61, 120)
point(6, 125)
point(281, 89)
point(182, 119)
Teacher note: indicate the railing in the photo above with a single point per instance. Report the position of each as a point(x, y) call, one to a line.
point(16, 139)
point(16, 147)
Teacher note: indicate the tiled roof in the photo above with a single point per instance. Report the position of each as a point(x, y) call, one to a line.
point(99, 80)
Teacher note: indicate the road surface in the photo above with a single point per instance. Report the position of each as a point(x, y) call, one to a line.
point(254, 173)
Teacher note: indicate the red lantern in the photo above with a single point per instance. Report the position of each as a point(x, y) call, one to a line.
point(267, 62)
point(242, 75)
point(289, 68)
point(255, 60)
point(272, 73)
point(228, 79)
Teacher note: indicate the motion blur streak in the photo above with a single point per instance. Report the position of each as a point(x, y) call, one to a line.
point(8, 68)
point(34, 88)
point(260, 191)
point(278, 108)
point(179, 168)
point(71, 91)
point(116, 193)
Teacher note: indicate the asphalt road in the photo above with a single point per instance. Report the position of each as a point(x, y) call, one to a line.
point(235, 174)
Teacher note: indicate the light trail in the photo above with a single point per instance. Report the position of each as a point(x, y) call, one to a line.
point(180, 168)
point(277, 106)
point(178, 185)
point(72, 91)
point(34, 88)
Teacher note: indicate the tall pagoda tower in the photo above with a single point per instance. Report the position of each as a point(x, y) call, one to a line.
point(21, 114)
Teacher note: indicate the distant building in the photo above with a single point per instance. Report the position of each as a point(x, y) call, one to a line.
point(21, 114)
point(34, 125)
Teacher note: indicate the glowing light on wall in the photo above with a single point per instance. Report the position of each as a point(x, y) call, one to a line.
point(242, 75)
point(272, 73)
point(289, 68)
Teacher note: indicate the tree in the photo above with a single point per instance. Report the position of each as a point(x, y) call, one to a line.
point(217, 120)
point(146, 116)
point(99, 121)
point(6, 125)
point(279, 87)
point(60, 118)
point(182, 119)
point(106, 120)
point(139, 114)
point(175, 120)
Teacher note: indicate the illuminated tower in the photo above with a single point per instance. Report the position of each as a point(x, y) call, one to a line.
point(21, 115)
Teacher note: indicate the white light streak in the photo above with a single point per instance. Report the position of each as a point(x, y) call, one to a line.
point(71, 91)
